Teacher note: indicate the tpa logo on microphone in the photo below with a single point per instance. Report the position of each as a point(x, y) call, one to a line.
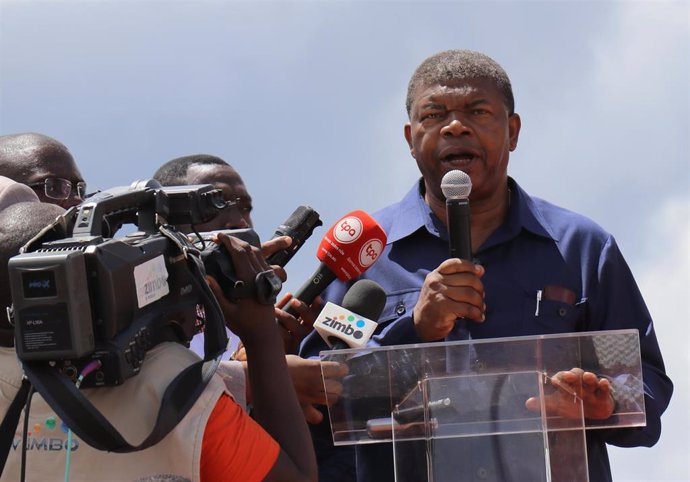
point(370, 252)
point(348, 230)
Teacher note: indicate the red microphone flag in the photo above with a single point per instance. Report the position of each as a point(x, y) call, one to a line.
point(352, 244)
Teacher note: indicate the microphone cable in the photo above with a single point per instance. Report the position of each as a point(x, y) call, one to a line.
point(90, 367)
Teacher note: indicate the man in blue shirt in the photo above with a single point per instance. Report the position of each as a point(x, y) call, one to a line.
point(461, 110)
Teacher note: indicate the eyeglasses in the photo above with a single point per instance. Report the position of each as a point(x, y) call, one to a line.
point(241, 203)
point(58, 188)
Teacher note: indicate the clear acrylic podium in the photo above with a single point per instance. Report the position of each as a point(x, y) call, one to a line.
point(459, 411)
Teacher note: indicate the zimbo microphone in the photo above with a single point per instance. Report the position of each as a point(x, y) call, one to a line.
point(352, 324)
point(346, 251)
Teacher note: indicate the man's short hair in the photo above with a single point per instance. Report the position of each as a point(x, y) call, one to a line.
point(21, 154)
point(451, 65)
point(18, 224)
point(174, 172)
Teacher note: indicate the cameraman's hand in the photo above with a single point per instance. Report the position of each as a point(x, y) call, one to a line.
point(273, 246)
point(311, 388)
point(293, 330)
point(245, 317)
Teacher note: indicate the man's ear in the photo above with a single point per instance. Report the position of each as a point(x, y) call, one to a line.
point(407, 130)
point(514, 124)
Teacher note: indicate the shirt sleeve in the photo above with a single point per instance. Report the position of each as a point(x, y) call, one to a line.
point(618, 304)
point(235, 447)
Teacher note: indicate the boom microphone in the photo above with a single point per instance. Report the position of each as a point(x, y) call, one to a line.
point(346, 251)
point(351, 325)
point(456, 186)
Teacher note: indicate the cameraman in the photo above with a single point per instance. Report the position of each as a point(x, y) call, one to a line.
point(306, 374)
point(216, 440)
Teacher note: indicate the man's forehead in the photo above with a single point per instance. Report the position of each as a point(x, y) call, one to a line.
point(456, 88)
point(213, 173)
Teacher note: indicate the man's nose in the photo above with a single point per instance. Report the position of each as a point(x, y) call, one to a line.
point(72, 200)
point(455, 126)
point(234, 220)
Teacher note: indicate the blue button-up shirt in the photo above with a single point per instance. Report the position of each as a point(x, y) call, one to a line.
point(538, 245)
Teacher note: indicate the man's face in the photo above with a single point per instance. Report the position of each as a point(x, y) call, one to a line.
point(229, 181)
point(462, 125)
point(58, 167)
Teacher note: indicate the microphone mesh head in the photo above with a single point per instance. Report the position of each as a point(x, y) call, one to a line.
point(456, 184)
point(366, 298)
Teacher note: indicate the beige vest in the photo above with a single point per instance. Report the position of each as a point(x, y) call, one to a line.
point(132, 409)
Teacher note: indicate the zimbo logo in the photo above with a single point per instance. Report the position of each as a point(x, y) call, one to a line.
point(345, 324)
point(48, 436)
point(47, 444)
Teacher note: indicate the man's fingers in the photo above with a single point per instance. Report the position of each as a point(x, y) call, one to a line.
point(274, 245)
point(455, 265)
point(334, 369)
point(311, 414)
point(283, 300)
point(333, 390)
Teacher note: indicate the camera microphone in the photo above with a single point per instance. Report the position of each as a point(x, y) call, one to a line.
point(346, 251)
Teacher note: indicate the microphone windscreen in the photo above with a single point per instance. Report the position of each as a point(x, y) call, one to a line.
point(456, 184)
point(351, 245)
point(366, 298)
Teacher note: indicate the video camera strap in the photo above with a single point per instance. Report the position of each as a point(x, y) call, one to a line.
point(87, 422)
point(9, 424)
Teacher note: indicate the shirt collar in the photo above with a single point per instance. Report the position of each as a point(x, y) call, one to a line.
point(524, 214)
point(414, 213)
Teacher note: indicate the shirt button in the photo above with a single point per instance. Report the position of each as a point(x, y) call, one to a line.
point(562, 312)
point(482, 473)
point(400, 308)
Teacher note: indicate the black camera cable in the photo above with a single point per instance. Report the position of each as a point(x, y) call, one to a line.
point(27, 409)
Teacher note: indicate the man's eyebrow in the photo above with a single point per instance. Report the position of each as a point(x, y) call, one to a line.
point(476, 102)
point(432, 105)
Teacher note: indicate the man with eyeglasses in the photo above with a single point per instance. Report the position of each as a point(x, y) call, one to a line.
point(45, 165)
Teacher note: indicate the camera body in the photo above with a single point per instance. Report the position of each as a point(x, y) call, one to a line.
point(81, 295)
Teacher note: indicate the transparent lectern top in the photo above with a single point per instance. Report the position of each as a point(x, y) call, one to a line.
point(478, 387)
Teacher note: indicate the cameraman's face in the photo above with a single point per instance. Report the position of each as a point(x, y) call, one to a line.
point(238, 213)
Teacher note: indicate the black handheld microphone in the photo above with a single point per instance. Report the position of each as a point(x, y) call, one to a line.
point(346, 251)
point(456, 186)
point(299, 226)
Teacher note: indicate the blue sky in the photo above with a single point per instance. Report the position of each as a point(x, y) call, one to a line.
point(306, 100)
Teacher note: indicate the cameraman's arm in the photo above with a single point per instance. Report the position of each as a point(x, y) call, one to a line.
point(273, 397)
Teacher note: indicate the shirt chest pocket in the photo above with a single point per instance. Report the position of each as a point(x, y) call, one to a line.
point(548, 316)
